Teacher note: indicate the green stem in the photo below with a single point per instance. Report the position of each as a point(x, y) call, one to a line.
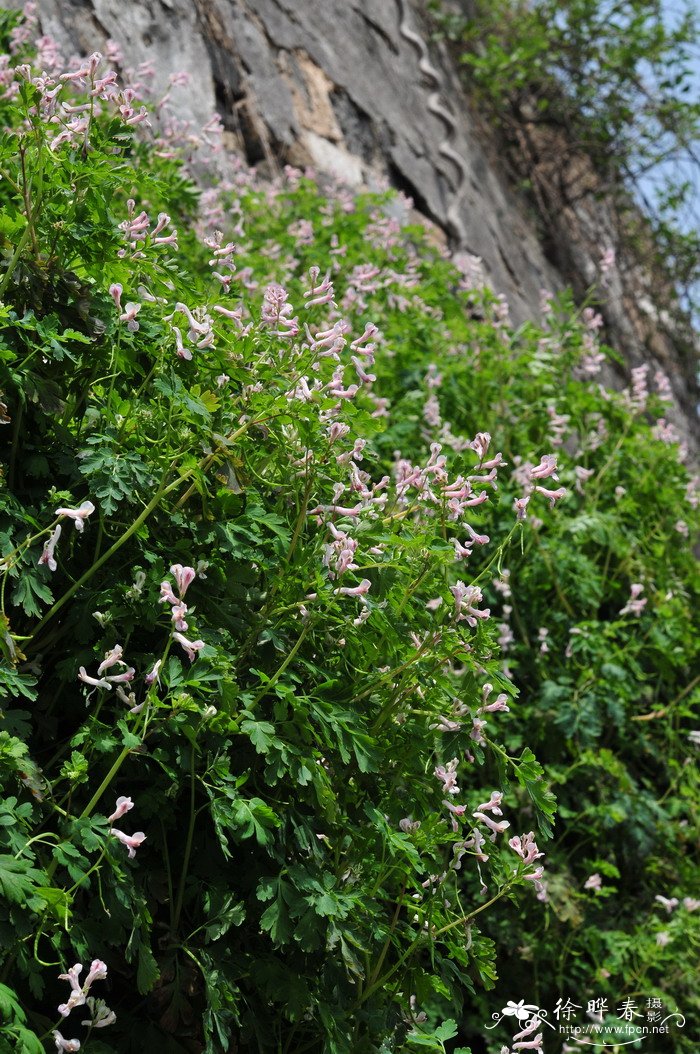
point(461, 921)
point(188, 847)
point(19, 249)
point(123, 538)
point(275, 678)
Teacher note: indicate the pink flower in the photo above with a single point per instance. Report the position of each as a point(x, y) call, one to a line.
point(446, 724)
point(493, 804)
point(669, 903)
point(111, 658)
point(480, 444)
point(582, 476)
point(447, 774)
point(526, 847)
point(96, 682)
point(184, 576)
point(499, 703)
point(520, 505)
point(166, 594)
point(496, 827)
point(355, 591)
point(663, 938)
point(177, 613)
point(607, 261)
point(115, 291)
point(123, 806)
point(98, 969)
point(47, 557)
point(77, 996)
point(154, 674)
point(131, 841)
point(456, 810)
point(78, 516)
point(192, 647)
point(65, 1044)
point(476, 842)
point(129, 314)
point(466, 599)
point(547, 467)
point(477, 539)
point(553, 495)
point(122, 678)
point(593, 881)
point(636, 603)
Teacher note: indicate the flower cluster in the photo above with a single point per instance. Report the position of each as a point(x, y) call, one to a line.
point(131, 841)
point(184, 576)
point(78, 516)
point(109, 680)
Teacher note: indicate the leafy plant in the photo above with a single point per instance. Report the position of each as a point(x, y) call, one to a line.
point(256, 528)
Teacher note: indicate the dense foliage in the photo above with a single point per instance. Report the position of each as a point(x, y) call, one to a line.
point(618, 80)
point(310, 560)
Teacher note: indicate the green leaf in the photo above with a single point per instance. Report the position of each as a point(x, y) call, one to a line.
point(18, 879)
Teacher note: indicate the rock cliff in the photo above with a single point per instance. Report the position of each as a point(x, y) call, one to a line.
point(357, 89)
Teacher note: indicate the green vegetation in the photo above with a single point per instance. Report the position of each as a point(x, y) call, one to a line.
point(348, 633)
point(617, 82)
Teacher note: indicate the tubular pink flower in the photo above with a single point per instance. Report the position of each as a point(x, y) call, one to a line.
point(547, 467)
point(129, 314)
point(355, 591)
point(500, 703)
point(72, 976)
point(184, 576)
point(636, 603)
point(47, 557)
point(177, 614)
point(77, 996)
point(111, 658)
point(447, 774)
point(192, 647)
point(462, 552)
point(477, 539)
point(154, 673)
point(96, 682)
point(65, 1044)
point(476, 842)
point(98, 969)
point(480, 444)
point(131, 841)
point(466, 600)
point(553, 495)
point(520, 505)
point(526, 847)
point(493, 804)
point(122, 678)
point(115, 291)
point(497, 827)
point(370, 333)
point(167, 595)
point(456, 810)
point(123, 806)
point(79, 515)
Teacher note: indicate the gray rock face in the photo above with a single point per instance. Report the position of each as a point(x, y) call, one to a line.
point(352, 88)
point(333, 85)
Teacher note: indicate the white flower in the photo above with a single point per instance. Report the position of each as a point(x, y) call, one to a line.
point(79, 515)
